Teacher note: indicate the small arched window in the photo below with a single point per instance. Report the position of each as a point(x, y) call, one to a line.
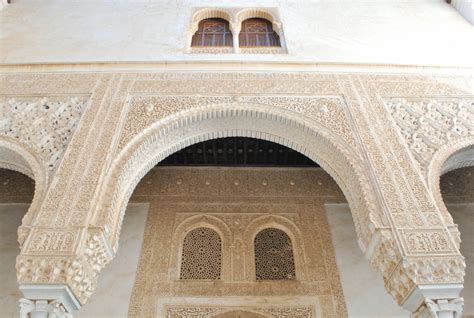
point(258, 32)
point(212, 32)
point(201, 256)
point(274, 255)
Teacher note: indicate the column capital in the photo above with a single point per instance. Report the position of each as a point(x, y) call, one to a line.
point(42, 309)
point(69, 276)
point(440, 308)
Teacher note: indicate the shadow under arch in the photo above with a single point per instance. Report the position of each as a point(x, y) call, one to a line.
point(285, 127)
point(17, 157)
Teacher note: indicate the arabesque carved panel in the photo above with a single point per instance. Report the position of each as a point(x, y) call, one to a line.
point(427, 124)
point(44, 124)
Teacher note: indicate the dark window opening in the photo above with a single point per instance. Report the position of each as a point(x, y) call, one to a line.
point(212, 32)
point(258, 32)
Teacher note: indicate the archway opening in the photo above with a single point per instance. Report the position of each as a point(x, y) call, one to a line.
point(456, 187)
point(16, 195)
point(234, 187)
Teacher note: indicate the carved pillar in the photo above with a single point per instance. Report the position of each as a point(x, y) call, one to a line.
point(235, 29)
point(66, 279)
point(417, 254)
point(61, 254)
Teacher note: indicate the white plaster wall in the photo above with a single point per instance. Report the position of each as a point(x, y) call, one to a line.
point(112, 297)
point(426, 32)
point(362, 285)
point(463, 215)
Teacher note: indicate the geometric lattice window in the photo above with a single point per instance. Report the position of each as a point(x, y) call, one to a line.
point(274, 255)
point(258, 32)
point(202, 256)
point(212, 32)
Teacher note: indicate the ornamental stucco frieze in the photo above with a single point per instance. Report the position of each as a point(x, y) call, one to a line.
point(147, 110)
point(44, 124)
point(271, 312)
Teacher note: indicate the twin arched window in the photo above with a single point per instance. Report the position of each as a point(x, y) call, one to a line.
point(202, 255)
point(255, 32)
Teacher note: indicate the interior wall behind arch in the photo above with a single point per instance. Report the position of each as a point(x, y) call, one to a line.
point(457, 190)
point(16, 194)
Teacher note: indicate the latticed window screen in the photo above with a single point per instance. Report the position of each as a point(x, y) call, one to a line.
point(212, 32)
point(274, 255)
point(202, 256)
point(258, 32)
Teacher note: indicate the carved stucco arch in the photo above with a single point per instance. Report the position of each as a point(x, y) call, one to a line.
point(194, 222)
point(250, 13)
point(452, 156)
point(286, 127)
point(277, 222)
point(209, 13)
point(18, 157)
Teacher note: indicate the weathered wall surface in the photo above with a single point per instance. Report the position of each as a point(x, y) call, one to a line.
point(427, 32)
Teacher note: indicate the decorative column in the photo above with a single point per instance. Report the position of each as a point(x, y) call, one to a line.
point(61, 253)
point(63, 281)
point(235, 29)
point(42, 309)
point(441, 308)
